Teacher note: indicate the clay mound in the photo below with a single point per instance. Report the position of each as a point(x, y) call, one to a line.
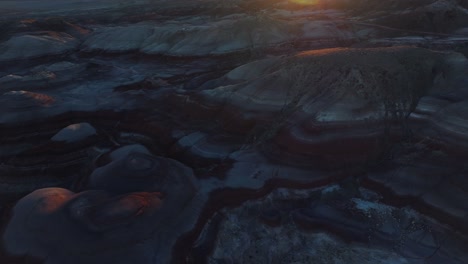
point(430, 15)
point(36, 45)
point(194, 39)
point(323, 105)
point(56, 24)
point(398, 75)
point(392, 77)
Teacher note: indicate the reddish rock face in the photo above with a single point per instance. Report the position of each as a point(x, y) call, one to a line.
point(112, 214)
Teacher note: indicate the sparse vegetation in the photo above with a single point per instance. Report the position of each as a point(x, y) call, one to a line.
point(390, 81)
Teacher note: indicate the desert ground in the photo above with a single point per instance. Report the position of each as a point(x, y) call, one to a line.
point(242, 131)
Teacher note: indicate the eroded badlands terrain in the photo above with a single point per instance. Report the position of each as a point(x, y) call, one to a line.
point(243, 131)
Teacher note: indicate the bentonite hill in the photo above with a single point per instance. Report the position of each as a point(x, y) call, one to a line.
point(234, 131)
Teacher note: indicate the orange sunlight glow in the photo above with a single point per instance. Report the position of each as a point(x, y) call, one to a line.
point(305, 2)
